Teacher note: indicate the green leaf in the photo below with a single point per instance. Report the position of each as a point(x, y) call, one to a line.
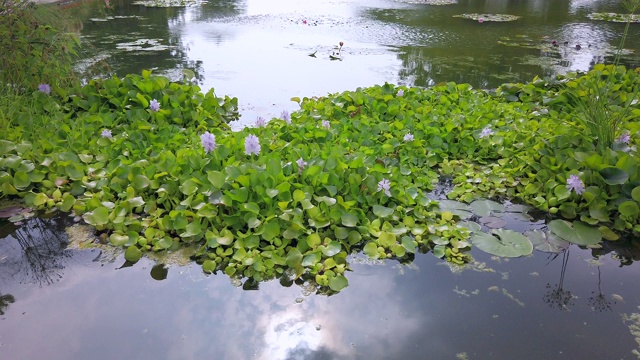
point(629, 208)
point(216, 178)
point(382, 211)
point(209, 266)
point(133, 254)
point(505, 243)
point(189, 187)
point(21, 180)
point(486, 207)
point(333, 248)
point(311, 259)
point(577, 233)
point(338, 282)
point(546, 241)
point(614, 176)
point(271, 230)
point(294, 258)
point(371, 250)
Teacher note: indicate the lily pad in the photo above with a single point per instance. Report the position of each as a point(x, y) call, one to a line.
point(546, 241)
point(614, 17)
point(493, 222)
point(489, 17)
point(486, 207)
point(578, 233)
point(505, 243)
point(458, 208)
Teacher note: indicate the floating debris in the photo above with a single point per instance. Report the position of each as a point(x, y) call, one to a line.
point(143, 45)
point(489, 17)
point(429, 2)
point(167, 3)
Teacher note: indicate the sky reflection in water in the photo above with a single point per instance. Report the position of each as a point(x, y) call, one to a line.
point(506, 309)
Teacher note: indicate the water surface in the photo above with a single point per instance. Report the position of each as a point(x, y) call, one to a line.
point(259, 50)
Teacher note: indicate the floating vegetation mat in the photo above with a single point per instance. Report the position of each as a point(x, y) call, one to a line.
point(489, 17)
point(104, 19)
point(167, 3)
point(429, 2)
point(143, 45)
point(614, 17)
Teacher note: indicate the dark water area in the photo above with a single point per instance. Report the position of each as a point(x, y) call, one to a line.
point(258, 50)
point(60, 303)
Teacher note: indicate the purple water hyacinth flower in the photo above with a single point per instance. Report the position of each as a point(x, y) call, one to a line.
point(261, 122)
point(574, 183)
point(154, 105)
point(208, 141)
point(625, 137)
point(301, 164)
point(384, 185)
point(400, 92)
point(486, 132)
point(252, 145)
point(45, 88)
point(408, 137)
point(285, 116)
point(106, 133)
point(326, 124)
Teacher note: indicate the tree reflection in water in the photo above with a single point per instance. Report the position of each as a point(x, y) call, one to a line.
point(5, 300)
point(556, 296)
point(35, 252)
point(599, 302)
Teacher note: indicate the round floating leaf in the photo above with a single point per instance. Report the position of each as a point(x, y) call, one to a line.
point(458, 208)
point(493, 222)
point(209, 266)
point(629, 208)
point(505, 243)
point(470, 225)
point(133, 254)
point(486, 207)
point(608, 234)
point(546, 241)
point(577, 233)
point(338, 282)
point(294, 258)
point(635, 193)
point(614, 176)
point(21, 180)
point(118, 239)
point(382, 211)
point(372, 250)
point(311, 259)
point(333, 248)
point(438, 251)
point(349, 220)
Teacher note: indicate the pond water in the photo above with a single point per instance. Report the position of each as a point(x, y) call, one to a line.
point(61, 303)
point(258, 50)
point(58, 302)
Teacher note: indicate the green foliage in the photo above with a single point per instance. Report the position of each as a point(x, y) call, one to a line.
point(37, 45)
point(314, 194)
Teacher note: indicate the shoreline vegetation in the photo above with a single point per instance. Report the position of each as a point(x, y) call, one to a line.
point(153, 166)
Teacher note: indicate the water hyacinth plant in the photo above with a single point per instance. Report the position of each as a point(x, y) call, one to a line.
point(44, 88)
point(252, 145)
point(154, 105)
point(208, 142)
point(299, 208)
